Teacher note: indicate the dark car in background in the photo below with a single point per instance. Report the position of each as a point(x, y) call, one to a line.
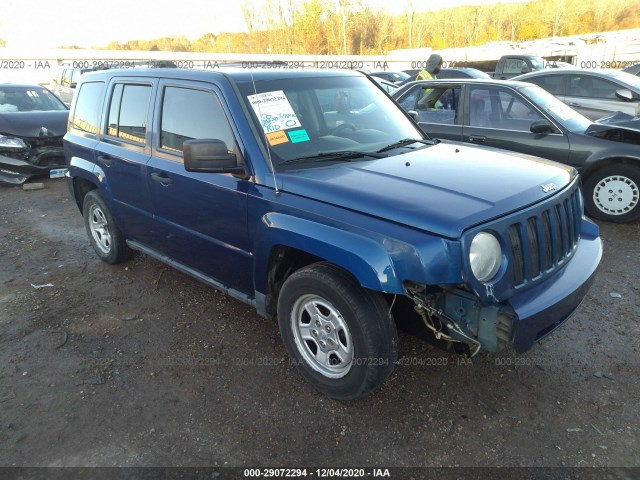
point(32, 123)
point(462, 72)
point(389, 76)
point(594, 93)
point(524, 118)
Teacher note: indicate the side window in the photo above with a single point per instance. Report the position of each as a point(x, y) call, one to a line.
point(86, 115)
point(499, 108)
point(438, 105)
point(189, 114)
point(551, 83)
point(588, 86)
point(128, 112)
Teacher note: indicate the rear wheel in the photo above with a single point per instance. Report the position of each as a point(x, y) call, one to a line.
point(341, 336)
point(613, 193)
point(105, 236)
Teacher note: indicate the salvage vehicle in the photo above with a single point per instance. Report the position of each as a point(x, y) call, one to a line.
point(328, 219)
point(594, 93)
point(32, 123)
point(524, 118)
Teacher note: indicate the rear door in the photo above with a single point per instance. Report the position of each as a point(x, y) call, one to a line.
point(438, 107)
point(202, 217)
point(124, 151)
point(498, 116)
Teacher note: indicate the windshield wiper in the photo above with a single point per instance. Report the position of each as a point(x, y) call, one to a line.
point(406, 141)
point(328, 156)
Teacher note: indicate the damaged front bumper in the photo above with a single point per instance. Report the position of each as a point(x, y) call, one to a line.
point(16, 171)
point(459, 317)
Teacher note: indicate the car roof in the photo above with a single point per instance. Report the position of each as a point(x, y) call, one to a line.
point(240, 75)
point(565, 71)
point(474, 81)
point(23, 85)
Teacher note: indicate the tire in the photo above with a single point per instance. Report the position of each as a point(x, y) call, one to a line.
point(612, 193)
point(353, 347)
point(105, 236)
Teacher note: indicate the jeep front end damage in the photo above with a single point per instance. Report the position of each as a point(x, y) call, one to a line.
point(458, 317)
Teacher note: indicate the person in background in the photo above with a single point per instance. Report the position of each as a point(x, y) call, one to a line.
point(432, 68)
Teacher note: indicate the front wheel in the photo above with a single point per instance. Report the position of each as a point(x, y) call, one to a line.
point(340, 335)
point(613, 193)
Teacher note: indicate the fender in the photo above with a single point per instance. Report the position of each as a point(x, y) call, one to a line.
point(81, 168)
point(379, 262)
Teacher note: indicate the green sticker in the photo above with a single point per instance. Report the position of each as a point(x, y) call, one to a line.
point(298, 136)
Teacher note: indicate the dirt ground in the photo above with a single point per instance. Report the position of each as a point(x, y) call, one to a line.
point(140, 365)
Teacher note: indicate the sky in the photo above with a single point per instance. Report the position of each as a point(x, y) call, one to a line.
point(39, 24)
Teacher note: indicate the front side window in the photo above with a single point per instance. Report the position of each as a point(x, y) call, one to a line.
point(87, 111)
point(593, 87)
point(189, 114)
point(128, 112)
point(500, 108)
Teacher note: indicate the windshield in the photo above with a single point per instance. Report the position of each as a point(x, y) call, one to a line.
point(561, 113)
point(627, 78)
point(28, 99)
point(308, 118)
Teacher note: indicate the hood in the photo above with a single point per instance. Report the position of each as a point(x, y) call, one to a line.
point(29, 124)
point(443, 189)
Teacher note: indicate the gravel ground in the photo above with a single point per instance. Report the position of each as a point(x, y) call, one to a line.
point(140, 365)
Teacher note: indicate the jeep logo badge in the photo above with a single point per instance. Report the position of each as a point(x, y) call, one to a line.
point(548, 187)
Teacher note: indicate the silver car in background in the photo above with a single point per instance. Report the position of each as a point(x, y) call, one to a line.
point(593, 93)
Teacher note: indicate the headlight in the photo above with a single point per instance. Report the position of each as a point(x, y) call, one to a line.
point(485, 256)
point(12, 144)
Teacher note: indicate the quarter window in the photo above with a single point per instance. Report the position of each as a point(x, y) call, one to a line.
point(189, 114)
point(551, 83)
point(87, 111)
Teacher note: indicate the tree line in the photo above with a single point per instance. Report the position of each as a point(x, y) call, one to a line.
point(352, 27)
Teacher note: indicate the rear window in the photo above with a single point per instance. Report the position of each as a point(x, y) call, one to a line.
point(86, 115)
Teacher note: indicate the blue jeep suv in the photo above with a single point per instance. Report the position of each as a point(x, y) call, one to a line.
point(313, 197)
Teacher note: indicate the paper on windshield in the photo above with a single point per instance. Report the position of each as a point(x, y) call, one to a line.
point(274, 111)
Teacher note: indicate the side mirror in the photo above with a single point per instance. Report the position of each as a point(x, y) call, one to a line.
point(210, 156)
point(525, 69)
point(541, 126)
point(414, 115)
point(625, 94)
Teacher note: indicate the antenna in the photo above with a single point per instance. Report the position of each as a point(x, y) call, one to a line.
point(264, 134)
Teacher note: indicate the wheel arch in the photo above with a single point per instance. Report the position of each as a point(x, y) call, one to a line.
point(605, 162)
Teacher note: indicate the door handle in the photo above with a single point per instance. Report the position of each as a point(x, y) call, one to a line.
point(157, 177)
point(107, 160)
point(574, 104)
point(477, 138)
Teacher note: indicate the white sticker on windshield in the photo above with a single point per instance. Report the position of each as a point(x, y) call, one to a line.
point(274, 111)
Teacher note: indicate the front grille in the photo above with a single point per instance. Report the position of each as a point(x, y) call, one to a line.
point(545, 240)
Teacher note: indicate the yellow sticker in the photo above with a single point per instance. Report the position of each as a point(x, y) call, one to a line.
point(276, 138)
